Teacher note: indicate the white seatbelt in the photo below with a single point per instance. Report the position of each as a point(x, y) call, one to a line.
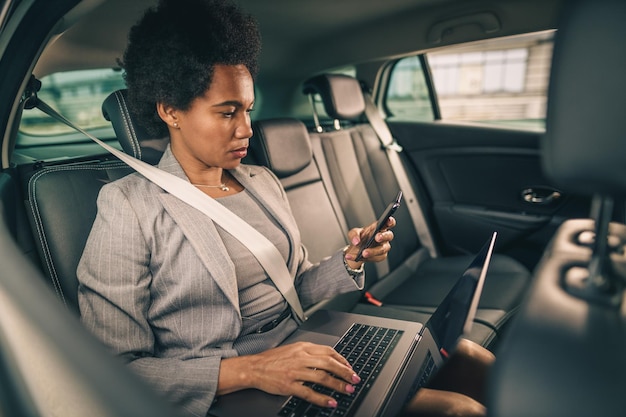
point(263, 250)
point(393, 153)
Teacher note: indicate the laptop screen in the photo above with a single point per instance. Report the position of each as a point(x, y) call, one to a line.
point(455, 315)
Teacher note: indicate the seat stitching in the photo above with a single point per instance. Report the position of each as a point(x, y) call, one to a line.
point(41, 233)
point(42, 237)
point(128, 124)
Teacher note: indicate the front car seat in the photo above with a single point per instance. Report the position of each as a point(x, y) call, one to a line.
point(564, 355)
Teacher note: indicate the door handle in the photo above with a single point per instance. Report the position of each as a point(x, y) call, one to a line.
point(540, 195)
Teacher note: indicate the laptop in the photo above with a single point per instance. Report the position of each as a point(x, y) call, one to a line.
point(394, 358)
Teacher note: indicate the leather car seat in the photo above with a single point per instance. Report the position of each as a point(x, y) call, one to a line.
point(564, 356)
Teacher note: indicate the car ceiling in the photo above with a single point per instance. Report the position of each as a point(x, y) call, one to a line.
point(301, 36)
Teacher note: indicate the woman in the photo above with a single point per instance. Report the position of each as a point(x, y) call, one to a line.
point(186, 304)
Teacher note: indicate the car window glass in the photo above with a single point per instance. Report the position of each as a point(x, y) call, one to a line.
point(407, 96)
point(500, 82)
point(77, 95)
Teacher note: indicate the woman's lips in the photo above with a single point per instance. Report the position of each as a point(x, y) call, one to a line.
point(241, 152)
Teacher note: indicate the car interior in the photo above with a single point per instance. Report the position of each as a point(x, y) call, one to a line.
point(333, 125)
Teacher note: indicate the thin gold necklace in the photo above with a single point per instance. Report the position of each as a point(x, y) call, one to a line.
point(222, 186)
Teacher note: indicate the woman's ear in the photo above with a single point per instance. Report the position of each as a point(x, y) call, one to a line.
point(168, 114)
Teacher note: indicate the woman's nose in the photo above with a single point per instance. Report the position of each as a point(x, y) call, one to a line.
point(244, 130)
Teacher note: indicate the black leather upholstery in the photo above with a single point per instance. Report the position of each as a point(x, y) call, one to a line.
point(564, 355)
point(584, 146)
point(323, 226)
point(283, 145)
point(414, 282)
point(134, 139)
point(341, 95)
point(62, 202)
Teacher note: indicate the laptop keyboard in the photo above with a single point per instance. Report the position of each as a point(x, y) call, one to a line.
point(367, 348)
point(427, 369)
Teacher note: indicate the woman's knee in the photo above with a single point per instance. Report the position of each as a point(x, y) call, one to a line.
point(475, 352)
point(438, 403)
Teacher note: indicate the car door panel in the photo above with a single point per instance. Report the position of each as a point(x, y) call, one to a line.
point(480, 179)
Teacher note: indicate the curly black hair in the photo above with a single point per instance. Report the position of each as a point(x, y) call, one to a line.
point(172, 52)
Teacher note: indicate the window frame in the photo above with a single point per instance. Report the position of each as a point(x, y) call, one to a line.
point(484, 46)
point(66, 84)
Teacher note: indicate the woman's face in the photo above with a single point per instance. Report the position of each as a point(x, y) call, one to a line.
point(215, 130)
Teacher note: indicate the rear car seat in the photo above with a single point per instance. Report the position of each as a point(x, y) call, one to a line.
point(284, 146)
point(61, 207)
point(62, 203)
point(365, 182)
point(61, 199)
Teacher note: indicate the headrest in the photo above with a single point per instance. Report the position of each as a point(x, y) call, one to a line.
point(134, 139)
point(341, 95)
point(584, 150)
point(282, 145)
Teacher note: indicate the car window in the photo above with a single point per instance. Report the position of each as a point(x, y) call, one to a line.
point(77, 95)
point(407, 96)
point(501, 82)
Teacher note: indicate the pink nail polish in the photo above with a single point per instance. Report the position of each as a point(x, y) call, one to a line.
point(350, 389)
point(332, 403)
point(356, 379)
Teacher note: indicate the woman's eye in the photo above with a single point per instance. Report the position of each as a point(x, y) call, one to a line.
point(229, 114)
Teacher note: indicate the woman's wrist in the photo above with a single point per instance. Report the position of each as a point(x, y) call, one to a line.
point(352, 267)
point(234, 375)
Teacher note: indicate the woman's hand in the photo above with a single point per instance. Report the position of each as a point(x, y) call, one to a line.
point(375, 253)
point(284, 369)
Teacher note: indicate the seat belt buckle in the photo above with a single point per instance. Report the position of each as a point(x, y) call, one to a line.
point(372, 300)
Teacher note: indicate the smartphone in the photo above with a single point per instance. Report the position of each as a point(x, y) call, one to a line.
point(382, 221)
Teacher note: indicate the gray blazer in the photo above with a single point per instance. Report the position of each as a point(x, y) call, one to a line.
point(158, 287)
